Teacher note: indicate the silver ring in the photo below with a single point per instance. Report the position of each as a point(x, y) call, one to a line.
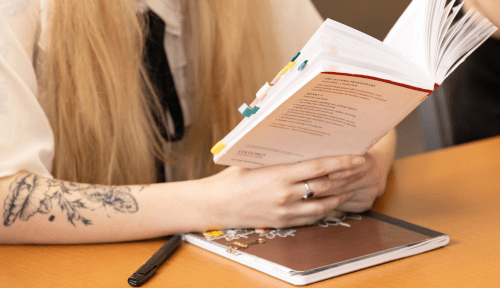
point(309, 193)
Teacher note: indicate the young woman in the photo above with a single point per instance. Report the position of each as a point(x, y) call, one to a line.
point(89, 152)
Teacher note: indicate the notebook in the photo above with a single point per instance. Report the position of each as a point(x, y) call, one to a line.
point(339, 244)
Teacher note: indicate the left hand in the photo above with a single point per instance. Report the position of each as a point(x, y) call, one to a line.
point(367, 182)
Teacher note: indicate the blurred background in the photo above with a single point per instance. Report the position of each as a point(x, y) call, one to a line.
point(376, 18)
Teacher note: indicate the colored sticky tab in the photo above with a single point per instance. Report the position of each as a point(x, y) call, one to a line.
point(243, 108)
point(302, 65)
point(263, 90)
point(247, 112)
point(255, 109)
point(214, 233)
point(295, 58)
point(288, 67)
point(254, 103)
point(218, 147)
point(275, 80)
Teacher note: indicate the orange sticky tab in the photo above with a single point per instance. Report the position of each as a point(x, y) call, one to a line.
point(255, 102)
point(217, 148)
point(275, 79)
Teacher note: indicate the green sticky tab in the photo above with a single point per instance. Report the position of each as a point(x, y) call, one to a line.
point(302, 65)
point(255, 109)
point(293, 59)
point(247, 112)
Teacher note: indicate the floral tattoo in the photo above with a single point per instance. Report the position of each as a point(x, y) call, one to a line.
point(31, 194)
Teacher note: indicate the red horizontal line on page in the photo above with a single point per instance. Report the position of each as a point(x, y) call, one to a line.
point(383, 80)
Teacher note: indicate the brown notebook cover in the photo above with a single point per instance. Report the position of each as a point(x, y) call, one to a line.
point(337, 245)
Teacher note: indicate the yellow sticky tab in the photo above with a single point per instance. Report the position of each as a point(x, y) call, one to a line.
point(213, 233)
point(218, 147)
point(288, 67)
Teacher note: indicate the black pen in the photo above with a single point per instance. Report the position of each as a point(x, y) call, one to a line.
point(149, 267)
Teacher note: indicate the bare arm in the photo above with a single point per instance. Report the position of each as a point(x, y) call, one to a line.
point(41, 210)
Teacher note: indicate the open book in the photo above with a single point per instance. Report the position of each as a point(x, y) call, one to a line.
point(345, 90)
point(336, 245)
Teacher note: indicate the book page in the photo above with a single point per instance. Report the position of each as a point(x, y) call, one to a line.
point(465, 36)
point(409, 34)
point(333, 114)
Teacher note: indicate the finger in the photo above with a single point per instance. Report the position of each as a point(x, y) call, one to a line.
point(363, 182)
point(321, 166)
point(303, 221)
point(349, 172)
point(369, 180)
point(356, 205)
point(319, 206)
point(324, 186)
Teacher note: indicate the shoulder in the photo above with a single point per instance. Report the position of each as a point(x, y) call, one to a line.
point(295, 22)
point(19, 33)
point(30, 146)
point(22, 12)
point(20, 21)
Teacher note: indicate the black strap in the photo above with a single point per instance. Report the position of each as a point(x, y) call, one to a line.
point(161, 78)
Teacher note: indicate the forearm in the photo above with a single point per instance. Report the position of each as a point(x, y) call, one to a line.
point(385, 150)
point(41, 210)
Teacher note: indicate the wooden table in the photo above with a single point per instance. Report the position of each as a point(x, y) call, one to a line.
point(455, 191)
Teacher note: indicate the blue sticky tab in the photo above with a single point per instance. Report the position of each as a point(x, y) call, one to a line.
point(302, 65)
point(255, 109)
point(247, 112)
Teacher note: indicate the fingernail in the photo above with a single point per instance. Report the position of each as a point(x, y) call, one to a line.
point(357, 161)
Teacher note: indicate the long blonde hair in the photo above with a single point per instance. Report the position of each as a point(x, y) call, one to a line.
point(101, 107)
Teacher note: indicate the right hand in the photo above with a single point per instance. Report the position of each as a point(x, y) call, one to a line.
point(271, 197)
